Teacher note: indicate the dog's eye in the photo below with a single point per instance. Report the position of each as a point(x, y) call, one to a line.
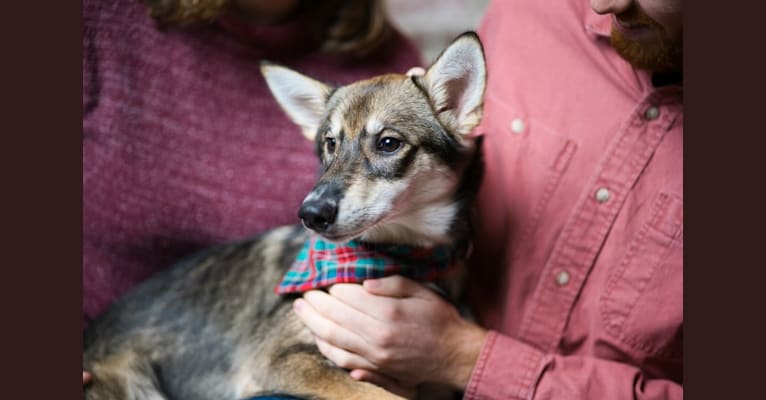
point(389, 144)
point(330, 143)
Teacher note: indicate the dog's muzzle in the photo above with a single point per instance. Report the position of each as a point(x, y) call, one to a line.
point(318, 215)
point(320, 208)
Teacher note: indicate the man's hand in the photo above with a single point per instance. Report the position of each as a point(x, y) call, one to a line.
point(85, 378)
point(393, 332)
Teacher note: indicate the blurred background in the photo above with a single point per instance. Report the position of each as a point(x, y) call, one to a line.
point(432, 24)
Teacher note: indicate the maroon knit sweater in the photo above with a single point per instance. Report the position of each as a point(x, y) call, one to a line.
point(183, 145)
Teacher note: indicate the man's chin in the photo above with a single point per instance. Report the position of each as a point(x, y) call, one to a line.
point(659, 55)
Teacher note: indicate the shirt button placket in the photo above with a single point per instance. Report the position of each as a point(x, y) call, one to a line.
point(517, 126)
point(651, 113)
point(602, 195)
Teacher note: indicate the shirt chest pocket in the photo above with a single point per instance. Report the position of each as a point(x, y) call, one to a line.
point(528, 160)
point(642, 305)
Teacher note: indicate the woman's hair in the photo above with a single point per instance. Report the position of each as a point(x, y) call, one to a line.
point(343, 26)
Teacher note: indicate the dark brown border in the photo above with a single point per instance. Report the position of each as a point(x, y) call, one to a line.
point(42, 159)
point(42, 288)
point(724, 265)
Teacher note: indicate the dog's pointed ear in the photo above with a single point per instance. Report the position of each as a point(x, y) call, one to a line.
point(302, 98)
point(455, 83)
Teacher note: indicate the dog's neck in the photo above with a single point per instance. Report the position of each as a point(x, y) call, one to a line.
point(425, 227)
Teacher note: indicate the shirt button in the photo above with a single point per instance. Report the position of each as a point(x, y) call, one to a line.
point(562, 278)
point(651, 113)
point(517, 126)
point(602, 195)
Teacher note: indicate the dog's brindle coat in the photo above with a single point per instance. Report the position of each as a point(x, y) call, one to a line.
point(211, 326)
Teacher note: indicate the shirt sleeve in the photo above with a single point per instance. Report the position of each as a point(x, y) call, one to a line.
point(510, 369)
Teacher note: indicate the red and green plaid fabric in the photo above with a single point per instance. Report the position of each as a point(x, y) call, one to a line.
point(322, 263)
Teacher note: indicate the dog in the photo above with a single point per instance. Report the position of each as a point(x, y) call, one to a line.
point(399, 169)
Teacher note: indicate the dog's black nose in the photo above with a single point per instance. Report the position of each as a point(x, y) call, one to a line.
point(318, 215)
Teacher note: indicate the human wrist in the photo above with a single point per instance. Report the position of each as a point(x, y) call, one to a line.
point(466, 344)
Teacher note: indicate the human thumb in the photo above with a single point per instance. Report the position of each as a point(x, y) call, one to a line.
point(396, 286)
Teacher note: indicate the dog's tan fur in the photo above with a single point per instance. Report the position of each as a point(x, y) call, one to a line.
point(211, 327)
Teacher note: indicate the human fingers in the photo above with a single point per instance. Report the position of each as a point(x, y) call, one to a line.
point(327, 329)
point(342, 358)
point(383, 308)
point(416, 71)
point(386, 382)
point(355, 320)
point(397, 286)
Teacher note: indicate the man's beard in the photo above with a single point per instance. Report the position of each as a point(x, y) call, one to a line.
point(657, 53)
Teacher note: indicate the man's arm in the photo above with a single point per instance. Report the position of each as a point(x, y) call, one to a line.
point(397, 333)
point(395, 327)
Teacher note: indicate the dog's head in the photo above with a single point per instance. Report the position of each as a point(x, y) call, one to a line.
point(393, 148)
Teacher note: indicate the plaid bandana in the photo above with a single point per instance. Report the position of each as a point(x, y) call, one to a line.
point(321, 263)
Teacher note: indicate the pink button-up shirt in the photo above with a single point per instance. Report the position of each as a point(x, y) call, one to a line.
point(579, 262)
